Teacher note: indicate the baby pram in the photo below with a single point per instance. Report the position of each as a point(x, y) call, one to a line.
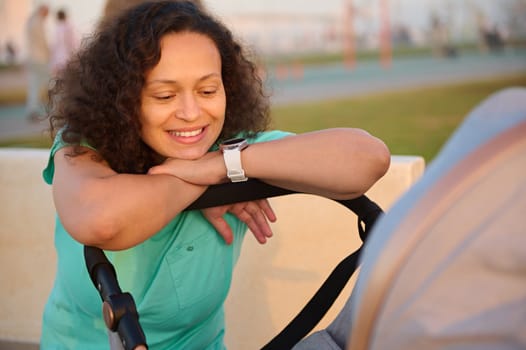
point(444, 268)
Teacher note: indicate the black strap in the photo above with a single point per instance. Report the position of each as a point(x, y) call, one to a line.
point(312, 313)
point(317, 307)
point(228, 193)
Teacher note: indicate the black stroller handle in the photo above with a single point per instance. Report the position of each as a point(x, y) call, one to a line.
point(119, 309)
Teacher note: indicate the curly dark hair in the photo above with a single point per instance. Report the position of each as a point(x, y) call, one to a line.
point(96, 98)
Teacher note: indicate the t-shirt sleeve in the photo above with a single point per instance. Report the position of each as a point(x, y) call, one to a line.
point(269, 136)
point(49, 170)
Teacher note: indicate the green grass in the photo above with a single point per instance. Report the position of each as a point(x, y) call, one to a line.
point(411, 122)
point(12, 96)
point(41, 141)
point(362, 55)
point(8, 94)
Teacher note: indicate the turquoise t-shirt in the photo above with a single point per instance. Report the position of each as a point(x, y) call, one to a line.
point(179, 279)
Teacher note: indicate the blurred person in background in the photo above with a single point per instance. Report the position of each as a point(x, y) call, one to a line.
point(64, 43)
point(37, 63)
point(10, 53)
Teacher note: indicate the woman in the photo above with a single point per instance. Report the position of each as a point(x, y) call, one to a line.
point(139, 115)
point(64, 44)
point(37, 61)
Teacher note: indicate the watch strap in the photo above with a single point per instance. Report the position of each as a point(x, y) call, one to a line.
point(234, 168)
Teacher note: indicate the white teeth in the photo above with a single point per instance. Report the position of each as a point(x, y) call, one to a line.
point(187, 133)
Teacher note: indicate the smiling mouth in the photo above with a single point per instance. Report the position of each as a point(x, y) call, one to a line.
point(192, 133)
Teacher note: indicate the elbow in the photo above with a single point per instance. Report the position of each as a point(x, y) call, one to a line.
point(372, 165)
point(101, 234)
point(379, 160)
point(91, 230)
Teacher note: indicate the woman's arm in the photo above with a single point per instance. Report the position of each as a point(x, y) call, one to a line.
point(114, 211)
point(337, 163)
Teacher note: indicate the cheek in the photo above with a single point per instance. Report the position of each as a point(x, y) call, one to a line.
point(149, 129)
point(144, 127)
point(151, 118)
point(220, 110)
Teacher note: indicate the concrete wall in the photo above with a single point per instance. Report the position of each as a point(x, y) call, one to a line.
point(271, 283)
point(27, 257)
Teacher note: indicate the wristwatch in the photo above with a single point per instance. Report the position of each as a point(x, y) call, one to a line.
point(232, 155)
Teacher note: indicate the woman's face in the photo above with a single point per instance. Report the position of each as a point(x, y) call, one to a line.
point(183, 101)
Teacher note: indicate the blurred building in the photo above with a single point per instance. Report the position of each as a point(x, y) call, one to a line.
point(281, 33)
point(296, 26)
point(320, 26)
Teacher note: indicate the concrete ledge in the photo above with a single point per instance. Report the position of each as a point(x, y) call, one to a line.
point(8, 345)
point(271, 282)
point(27, 255)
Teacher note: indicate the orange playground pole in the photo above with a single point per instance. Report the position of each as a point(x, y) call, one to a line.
point(386, 53)
point(349, 54)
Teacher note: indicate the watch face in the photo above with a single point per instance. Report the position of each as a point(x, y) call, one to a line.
point(233, 141)
point(231, 144)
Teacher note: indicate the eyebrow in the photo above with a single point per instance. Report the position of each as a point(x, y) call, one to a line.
point(171, 81)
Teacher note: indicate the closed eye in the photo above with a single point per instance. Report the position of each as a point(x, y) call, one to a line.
point(209, 92)
point(164, 98)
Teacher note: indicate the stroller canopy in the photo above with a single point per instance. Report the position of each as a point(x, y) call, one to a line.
point(445, 268)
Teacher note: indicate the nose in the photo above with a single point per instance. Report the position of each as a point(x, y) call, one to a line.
point(188, 108)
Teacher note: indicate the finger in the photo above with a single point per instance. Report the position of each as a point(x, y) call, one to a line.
point(258, 227)
point(223, 228)
point(247, 218)
point(159, 170)
point(264, 204)
point(252, 215)
point(153, 170)
point(260, 218)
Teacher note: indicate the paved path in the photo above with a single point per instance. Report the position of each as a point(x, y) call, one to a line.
point(336, 81)
point(13, 122)
point(330, 81)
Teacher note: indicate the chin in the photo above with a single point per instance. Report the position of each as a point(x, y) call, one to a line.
point(188, 155)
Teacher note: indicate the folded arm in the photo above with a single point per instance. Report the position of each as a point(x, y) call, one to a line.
point(337, 163)
point(114, 211)
point(100, 207)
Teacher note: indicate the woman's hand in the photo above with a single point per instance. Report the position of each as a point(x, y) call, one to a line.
point(208, 170)
point(255, 214)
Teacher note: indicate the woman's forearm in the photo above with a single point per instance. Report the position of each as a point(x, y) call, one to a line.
point(337, 163)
